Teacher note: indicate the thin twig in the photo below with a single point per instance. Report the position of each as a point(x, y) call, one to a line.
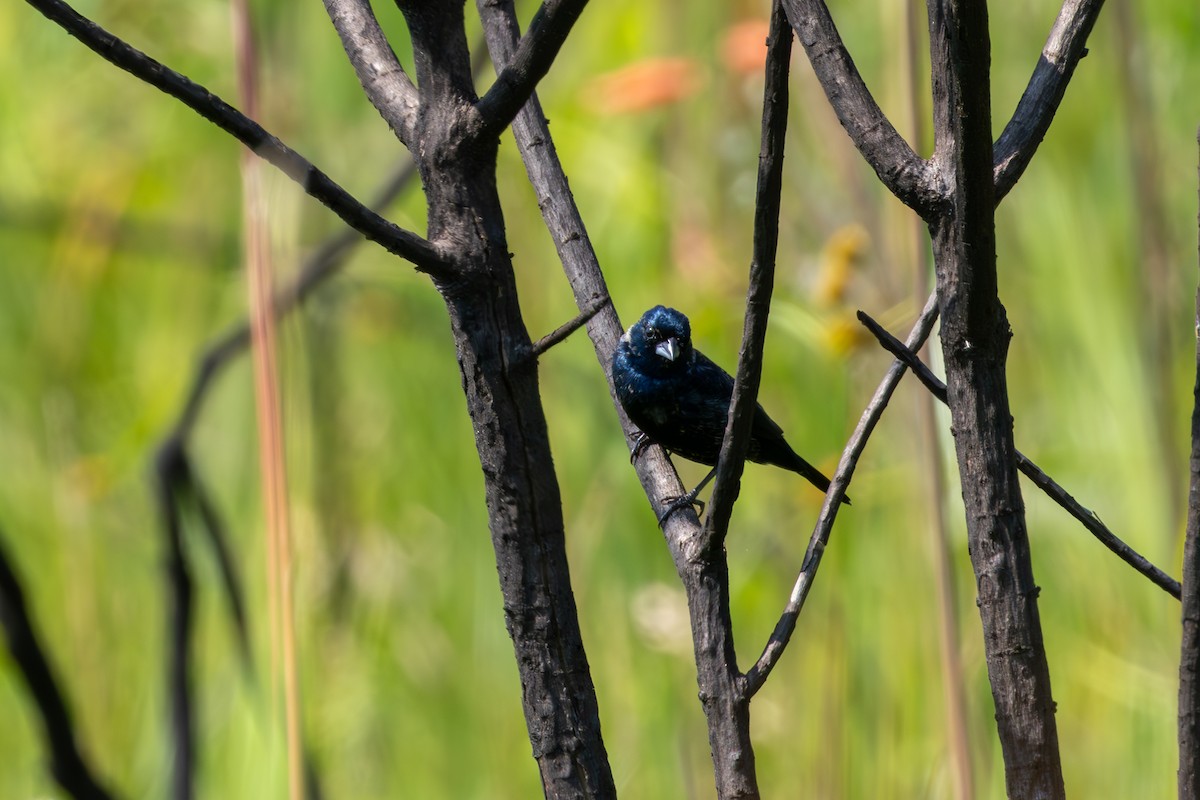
point(528, 64)
point(316, 183)
point(816, 548)
point(1053, 490)
point(567, 328)
point(1065, 46)
point(736, 440)
point(67, 764)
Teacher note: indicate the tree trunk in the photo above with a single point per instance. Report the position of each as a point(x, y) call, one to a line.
point(975, 336)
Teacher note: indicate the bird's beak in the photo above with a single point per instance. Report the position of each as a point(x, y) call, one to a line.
point(668, 349)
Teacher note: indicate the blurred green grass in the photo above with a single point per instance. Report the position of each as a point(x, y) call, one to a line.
point(119, 239)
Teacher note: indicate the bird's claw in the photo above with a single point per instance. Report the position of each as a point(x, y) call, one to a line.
point(640, 442)
point(676, 503)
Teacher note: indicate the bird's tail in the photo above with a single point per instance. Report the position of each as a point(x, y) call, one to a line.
point(815, 476)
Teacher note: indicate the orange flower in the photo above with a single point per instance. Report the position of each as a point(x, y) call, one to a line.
point(744, 48)
point(643, 85)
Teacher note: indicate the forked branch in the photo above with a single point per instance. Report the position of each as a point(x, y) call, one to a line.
point(383, 78)
point(528, 64)
point(833, 500)
point(901, 170)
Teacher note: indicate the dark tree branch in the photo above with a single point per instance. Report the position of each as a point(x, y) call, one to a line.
point(1189, 660)
point(975, 336)
point(383, 78)
point(169, 469)
point(529, 63)
point(67, 764)
point(762, 279)
point(1066, 45)
point(1053, 490)
point(316, 183)
point(902, 171)
point(782, 634)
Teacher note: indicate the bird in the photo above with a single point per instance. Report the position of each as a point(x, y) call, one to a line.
point(679, 399)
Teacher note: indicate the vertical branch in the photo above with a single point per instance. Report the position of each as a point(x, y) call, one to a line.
point(1189, 660)
point(168, 467)
point(975, 336)
point(762, 280)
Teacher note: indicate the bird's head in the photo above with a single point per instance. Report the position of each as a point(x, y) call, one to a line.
point(661, 340)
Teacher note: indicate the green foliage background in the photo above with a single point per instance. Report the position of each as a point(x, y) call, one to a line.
point(119, 260)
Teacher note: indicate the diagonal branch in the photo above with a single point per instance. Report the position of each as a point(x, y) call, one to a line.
point(782, 634)
point(67, 764)
point(383, 78)
point(528, 64)
point(762, 278)
point(1066, 45)
point(901, 170)
point(316, 183)
point(1053, 490)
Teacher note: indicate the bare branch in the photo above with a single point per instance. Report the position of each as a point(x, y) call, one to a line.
point(1066, 45)
point(528, 64)
point(316, 183)
point(383, 78)
point(902, 171)
point(67, 764)
point(833, 499)
point(762, 279)
point(1053, 490)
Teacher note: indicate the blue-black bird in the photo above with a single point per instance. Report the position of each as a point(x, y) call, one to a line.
point(680, 400)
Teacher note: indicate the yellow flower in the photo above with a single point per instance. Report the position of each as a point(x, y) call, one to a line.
point(842, 251)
